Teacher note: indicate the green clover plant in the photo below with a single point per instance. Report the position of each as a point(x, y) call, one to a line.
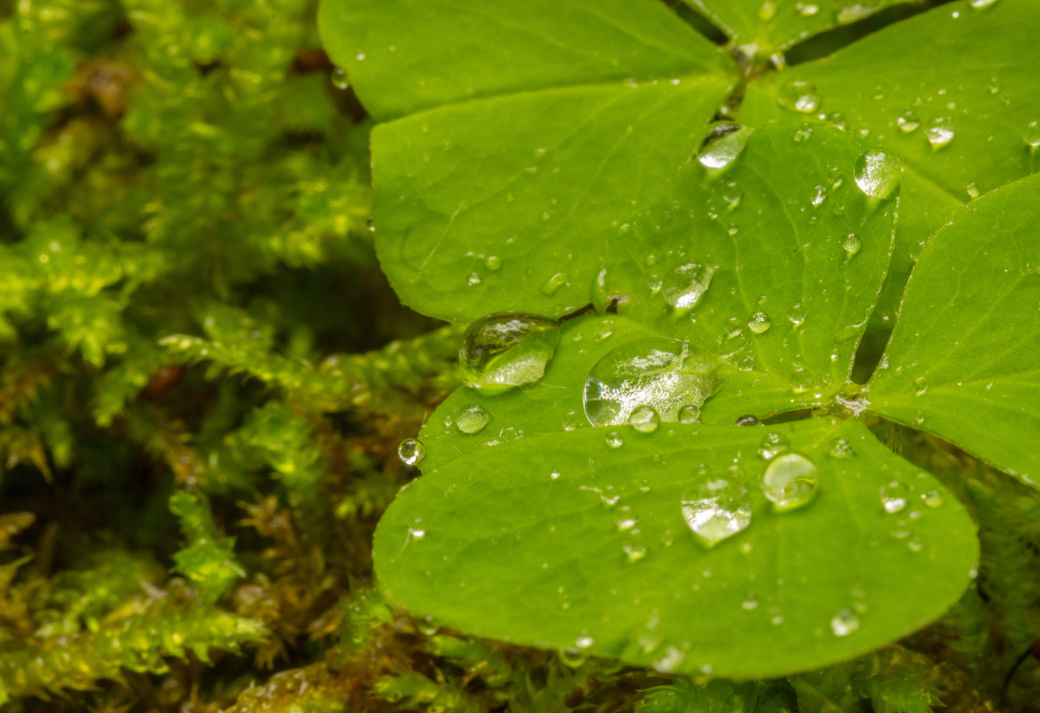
point(737, 226)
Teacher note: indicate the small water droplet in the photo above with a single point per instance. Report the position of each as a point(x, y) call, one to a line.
point(796, 315)
point(415, 533)
point(472, 419)
point(572, 420)
point(411, 451)
point(908, 122)
point(915, 545)
point(554, 475)
point(840, 448)
point(894, 495)
point(723, 148)
point(501, 351)
point(662, 374)
point(340, 80)
point(689, 414)
point(493, 263)
point(807, 9)
point(979, 4)
point(474, 279)
point(853, 11)
point(803, 133)
point(644, 419)
point(939, 136)
point(614, 439)
point(790, 481)
point(932, 498)
point(671, 660)
point(627, 522)
point(572, 657)
point(716, 509)
point(748, 420)
point(766, 11)
point(759, 323)
point(973, 191)
point(550, 286)
point(685, 286)
point(877, 173)
point(634, 553)
point(1032, 137)
point(799, 96)
point(772, 445)
point(844, 623)
point(750, 602)
point(852, 245)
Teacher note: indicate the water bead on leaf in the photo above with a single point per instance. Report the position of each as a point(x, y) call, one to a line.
point(644, 419)
point(501, 351)
point(664, 375)
point(894, 496)
point(715, 510)
point(411, 451)
point(799, 96)
point(939, 136)
point(844, 623)
point(760, 323)
point(851, 244)
point(790, 481)
point(472, 419)
point(724, 145)
point(340, 80)
point(877, 174)
point(772, 445)
point(689, 414)
point(684, 286)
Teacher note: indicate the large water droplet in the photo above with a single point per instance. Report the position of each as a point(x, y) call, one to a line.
point(411, 451)
point(844, 623)
point(790, 481)
point(759, 323)
point(877, 173)
point(506, 350)
point(894, 496)
point(716, 509)
point(662, 374)
point(723, 147)
point(685, 286)
point(644, 419)
point(799, 96)
point(472, 419)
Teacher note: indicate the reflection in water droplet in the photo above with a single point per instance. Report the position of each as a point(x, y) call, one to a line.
point(877, 173)
point(505, 350)
point(844, 623)
point(685, 286)
point(933, 498)
point(689, 414)
point(759, 323)
point(894, 496)
point(796, 315)
point(572, 420)
point(799, 96)
point(722, 149)
point(644, 419)
point(662, 374)
point(908, 122)
point(716, 509)
point(748, 420)
point(411, 451)
point(472, 419)
point(614, 439)
point(851, 244)
point(772, 445)
point(790, 481)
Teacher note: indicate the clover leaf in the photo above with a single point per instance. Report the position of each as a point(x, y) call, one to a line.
point(557, 157)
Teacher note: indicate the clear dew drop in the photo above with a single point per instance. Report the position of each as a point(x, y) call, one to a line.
point(715, 510)
point(1032, 137)
point(908, 122)
point(851, 244)
point(663, 374)
point(790, 481)
point(797, 315)
point(894, 496)
point(723, 148)
point(877, 174)
point(840, 448)
point(980, 4)
point(799, 95)
point(493, 263)
point(939, 136)
point(689, 414)
point(501, 351)
point(932, 498)
point(748, 420)
point(972, 191)
point(759, 323)
point(766, 11)
point(572, 657)
point(554, 283)
point(772, 445)
point(750, 602)
point(807, 9)
point(572, 420)
point(644, 419)
point(614, 439)
point(844, 622)
point(684, 286)
point(411, 451)
point(634, 553)
point(340, 80)
point(853, 11)
point(472, 419)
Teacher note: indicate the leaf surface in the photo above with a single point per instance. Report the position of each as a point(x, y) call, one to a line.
point(952, 69)
point(768, 25)
point(963, 362)
point(403, 56)
point(496, 546)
